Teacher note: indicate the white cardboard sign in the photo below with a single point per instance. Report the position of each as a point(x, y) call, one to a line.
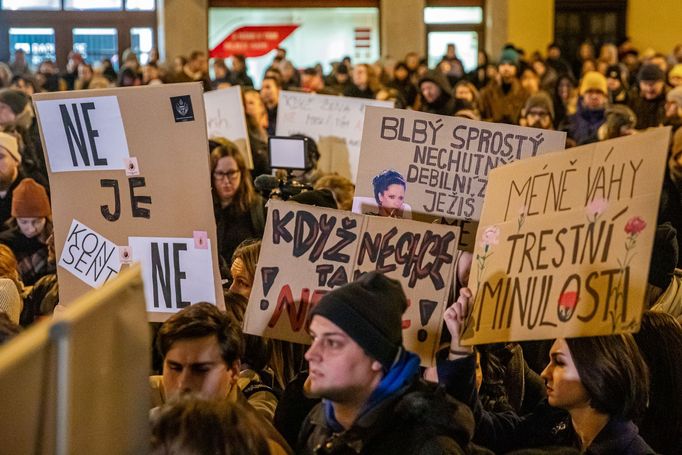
point(225, 118)
point(334, 122)
point(83, 134)
point(89, 256)
point(176, 271)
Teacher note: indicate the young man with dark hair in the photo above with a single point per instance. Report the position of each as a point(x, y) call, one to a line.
point(239, 75)
point(202, 348)
point(269, 92)
point(374, 401)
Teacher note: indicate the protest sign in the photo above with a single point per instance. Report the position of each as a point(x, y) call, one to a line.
point(442, 161)
point(91, 129)
point(176, 269)
point(225, 118)
point(308, 251)
point(334, 122)
point(51, 375)
point(89, 256)
point(158, 190)
point(565, 241)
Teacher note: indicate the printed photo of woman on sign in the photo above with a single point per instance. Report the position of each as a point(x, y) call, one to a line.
point(389, 193)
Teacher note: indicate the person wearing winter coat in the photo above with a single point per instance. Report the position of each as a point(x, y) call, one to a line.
point(595, 386)
point(373, 400)
point(30, 231)
point(436, 94)
point(502, 100)
point(583, 126)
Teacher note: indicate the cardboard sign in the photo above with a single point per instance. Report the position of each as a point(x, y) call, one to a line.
point(89, 256)
point(97, 351)
point(565, 241)
point(443, 160)
point(84, 134)
point(160, 191)
point(173, 269)
point(334, 122)
point(308, 251)
point(225, 118)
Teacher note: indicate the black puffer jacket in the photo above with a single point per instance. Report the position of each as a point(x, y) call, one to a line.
point(421, 419)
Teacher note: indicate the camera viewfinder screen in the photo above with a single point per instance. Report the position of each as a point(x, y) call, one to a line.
point(287, 153)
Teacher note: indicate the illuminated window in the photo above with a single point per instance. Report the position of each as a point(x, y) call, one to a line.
point(30, 4)
point(95, 44)
point(140, 5)
point(131, 5)
point(93, 4)
point(466, 44)
point(38, 43)
point(141, 42)
point(453, 15)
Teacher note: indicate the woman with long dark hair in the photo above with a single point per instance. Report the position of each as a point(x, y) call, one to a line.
point(596, 386)
point(565, 98)
point(239, 210)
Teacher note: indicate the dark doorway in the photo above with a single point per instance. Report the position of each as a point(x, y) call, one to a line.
point(599, 22)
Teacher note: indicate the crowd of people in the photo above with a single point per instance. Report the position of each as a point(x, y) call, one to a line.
point(356, 389)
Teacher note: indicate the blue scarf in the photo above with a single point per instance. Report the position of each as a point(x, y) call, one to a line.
point(402, 372)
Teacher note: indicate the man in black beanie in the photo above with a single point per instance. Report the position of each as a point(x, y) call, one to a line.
point(374, 401)
point(648, 101)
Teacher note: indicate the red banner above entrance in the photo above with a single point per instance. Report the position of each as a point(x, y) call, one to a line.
point(252, 41)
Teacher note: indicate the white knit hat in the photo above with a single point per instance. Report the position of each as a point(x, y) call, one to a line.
point(10, 301)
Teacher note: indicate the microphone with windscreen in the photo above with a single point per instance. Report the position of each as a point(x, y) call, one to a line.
point(270, 186)
point(266, 183)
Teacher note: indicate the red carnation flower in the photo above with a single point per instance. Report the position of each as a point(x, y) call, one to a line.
point(635, 225)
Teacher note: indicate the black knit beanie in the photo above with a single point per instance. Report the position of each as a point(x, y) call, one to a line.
point(650, 72)
point(370, 311)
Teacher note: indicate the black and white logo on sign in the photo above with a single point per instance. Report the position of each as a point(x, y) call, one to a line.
point(182, 108)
